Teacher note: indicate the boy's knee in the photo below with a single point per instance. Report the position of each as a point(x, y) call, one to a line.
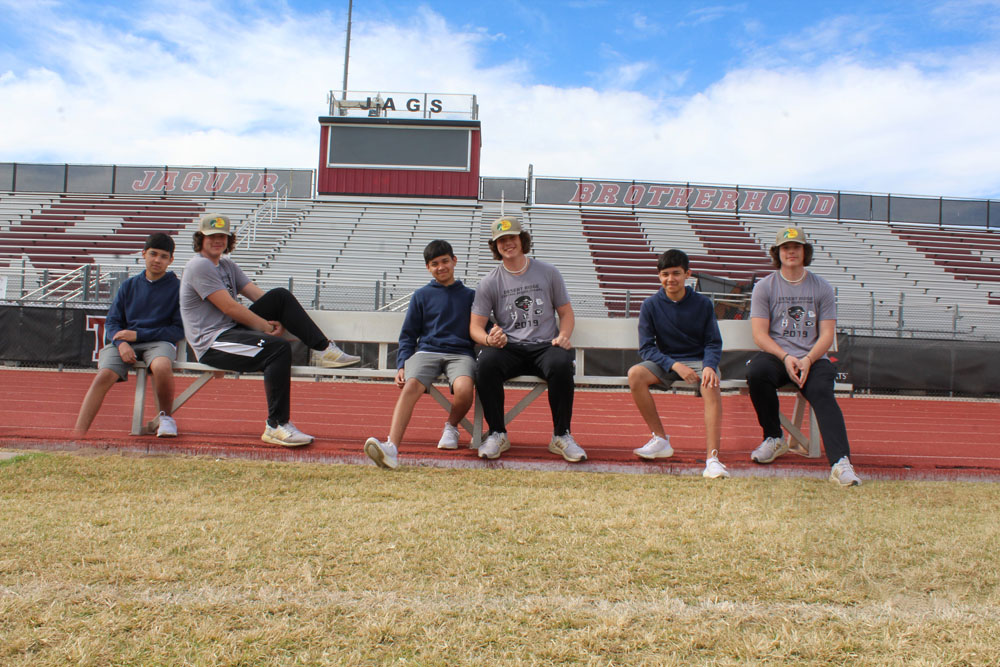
point(463, 387)
point(638, 376)
point(414, 386)
point(161, 365)
point(106, 377)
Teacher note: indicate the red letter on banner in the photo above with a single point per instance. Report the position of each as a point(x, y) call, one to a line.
point(584, 191)
point(824, 204)
point(241, 183)
point(801, 203)
point(704, 198)
point(265, 184)
point(192, 181)
point(634, 194)
point(754, 200)
point(779, 200)
point(679, 198)
point(147, 179)
point(167, 181)
point(656, 193)
point(727, 200)
point(216, 180)
point(608, 195)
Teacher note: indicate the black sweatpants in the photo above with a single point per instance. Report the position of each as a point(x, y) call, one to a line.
point(245, 350)
point(765, 373)
point(553, 363)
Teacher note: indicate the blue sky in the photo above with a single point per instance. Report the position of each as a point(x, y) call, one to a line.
point(867, 96)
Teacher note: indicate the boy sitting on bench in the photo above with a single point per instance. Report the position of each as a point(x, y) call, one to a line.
point(678, 338)
point(144, 321)
point(434, 338)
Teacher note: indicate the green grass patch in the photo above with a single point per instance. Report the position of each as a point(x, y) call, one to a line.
point(17, 458)
point(115, 560)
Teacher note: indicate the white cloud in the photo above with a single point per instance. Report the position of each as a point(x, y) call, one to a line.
point(186, 85)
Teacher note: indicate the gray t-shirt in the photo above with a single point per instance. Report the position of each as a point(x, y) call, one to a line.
point(203, 322)
point(794, 311)
point(525, 305)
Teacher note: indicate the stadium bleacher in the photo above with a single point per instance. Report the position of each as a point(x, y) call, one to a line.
point(362, 253)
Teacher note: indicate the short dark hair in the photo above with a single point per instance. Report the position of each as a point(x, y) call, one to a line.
point(436, 248)
point(807, 255)
point(199, 241)
point(525, 245)
point(160, 241)
point(672, 258)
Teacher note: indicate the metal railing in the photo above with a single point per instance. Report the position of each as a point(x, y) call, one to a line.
point(268, 210)
point(86, 284)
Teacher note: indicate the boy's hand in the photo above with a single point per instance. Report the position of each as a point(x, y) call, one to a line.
point(803, 365)
point(686, 372)
point(126, 352)
point(400, 378)
point(279, 330)
point(709, 378)
point(562, 341)
point(796, 370)
point(126, 335)
point(496, 337)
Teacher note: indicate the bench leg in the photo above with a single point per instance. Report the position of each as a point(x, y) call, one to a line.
point(477, 424)
point(800, 444)
point(179, 400)
point(535, 392)
point(139, 401)
point(446, 404)
point(477, 427)
point(193, 388)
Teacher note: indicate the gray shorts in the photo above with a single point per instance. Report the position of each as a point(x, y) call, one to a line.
point(427, 366)
point(109, 357)
point(667, 377)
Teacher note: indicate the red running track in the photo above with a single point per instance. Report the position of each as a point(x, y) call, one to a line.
point(891, 438)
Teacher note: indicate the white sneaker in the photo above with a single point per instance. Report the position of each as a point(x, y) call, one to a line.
point(333, 357)
point(285, 435)
point(382, 453)
point(495, 445)
point(167, 427)
point(566, 446)
point(449, 437)
point(769, 450)
point(656, 448)
point(714, 468)
point(843, 473)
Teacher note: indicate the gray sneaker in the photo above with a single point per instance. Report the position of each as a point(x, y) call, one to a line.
point(449, 437)
point(769, 450)
point(384, 454)
point(495, 445)
point(656, 448)
point(714, 468)
point(333, 357)
point(167, 427)
point(566, 447)
point(285, 435)
point(843, 473)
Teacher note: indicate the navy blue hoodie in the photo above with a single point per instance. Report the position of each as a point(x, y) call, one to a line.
point(684, 330)
point(151, 309)
point(437, 320)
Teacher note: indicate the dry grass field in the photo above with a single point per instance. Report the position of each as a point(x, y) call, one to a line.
point(179, 561)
